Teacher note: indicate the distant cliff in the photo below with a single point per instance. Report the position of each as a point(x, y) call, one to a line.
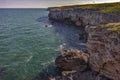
point(86, 14)
point(82, 17)
point(102, 23)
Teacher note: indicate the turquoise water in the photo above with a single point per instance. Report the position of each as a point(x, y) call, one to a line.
point(27, 46)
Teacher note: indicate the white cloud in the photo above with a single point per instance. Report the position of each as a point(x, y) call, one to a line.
point(47, 3)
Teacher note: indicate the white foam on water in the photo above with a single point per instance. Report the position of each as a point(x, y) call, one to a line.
point(61, 47)
point(48, 62)
point(44, 48)
point(29, 59)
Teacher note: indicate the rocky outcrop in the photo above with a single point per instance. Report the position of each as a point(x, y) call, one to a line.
point(82, 17)
point(104, 48)
point(74, 65)
point(70, 60)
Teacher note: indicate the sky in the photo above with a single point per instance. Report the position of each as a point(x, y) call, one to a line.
point(46, 3)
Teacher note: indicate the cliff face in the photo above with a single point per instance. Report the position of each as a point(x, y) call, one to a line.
point(82, 17)
point(103, 37)
point(104, 48)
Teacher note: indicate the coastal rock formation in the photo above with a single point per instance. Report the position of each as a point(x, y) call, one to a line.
point(73, 65)
point(103, 43)
point(70, 60)
point(104, 48)
point(82, 17)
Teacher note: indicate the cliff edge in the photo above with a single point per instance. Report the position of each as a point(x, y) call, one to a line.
point(82, 15)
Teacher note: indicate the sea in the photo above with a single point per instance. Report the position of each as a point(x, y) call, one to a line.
point(30, 42)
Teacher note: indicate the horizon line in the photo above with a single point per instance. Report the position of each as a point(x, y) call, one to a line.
point(54, 6)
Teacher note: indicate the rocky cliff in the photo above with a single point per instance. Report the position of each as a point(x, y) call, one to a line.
point(104, 48)
point(103, 37)
point(83, 17)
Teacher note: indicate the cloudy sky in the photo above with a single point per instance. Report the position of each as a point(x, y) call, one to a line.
point(46, 3)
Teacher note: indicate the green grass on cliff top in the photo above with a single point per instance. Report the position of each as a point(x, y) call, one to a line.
point(105, 7)
point(113, 27)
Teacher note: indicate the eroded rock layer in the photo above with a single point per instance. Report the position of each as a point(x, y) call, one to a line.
point(104, 48)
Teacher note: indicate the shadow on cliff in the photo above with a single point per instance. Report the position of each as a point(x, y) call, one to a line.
point(73, 37)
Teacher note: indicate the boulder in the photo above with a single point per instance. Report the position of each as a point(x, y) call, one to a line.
point(72, 59)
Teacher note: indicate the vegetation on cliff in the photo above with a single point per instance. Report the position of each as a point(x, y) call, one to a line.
point(106, 7)
point(113, 27)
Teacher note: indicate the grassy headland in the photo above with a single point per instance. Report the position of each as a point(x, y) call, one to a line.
point(113, 27)
point(105, 7)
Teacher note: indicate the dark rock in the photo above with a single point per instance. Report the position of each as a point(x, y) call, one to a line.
point(70, 60)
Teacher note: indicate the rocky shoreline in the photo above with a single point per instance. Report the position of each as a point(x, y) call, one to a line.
point(73, 64)
point(102, 59)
